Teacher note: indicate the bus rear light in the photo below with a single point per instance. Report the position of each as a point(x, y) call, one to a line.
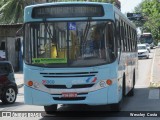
point(30, 83)
point(109, 82)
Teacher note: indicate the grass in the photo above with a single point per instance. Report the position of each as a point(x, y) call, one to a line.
point(154, 85)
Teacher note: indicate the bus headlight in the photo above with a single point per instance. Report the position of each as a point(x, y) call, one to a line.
point(102, 84)
point(105, 83)
point(36, 85)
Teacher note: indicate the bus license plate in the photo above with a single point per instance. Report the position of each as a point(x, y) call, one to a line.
point(69, 94)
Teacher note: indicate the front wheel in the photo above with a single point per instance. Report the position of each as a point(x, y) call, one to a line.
point(50, 109)
point(9, 95)
point(116, 107)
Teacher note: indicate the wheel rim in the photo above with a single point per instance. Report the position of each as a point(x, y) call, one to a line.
point(10, 95)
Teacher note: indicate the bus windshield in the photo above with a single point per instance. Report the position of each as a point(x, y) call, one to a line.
point(146, 39)
point(84, 43)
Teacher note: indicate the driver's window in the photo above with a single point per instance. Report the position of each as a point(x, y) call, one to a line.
point(110, 42)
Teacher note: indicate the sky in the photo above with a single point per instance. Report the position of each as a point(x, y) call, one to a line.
point(128, 5)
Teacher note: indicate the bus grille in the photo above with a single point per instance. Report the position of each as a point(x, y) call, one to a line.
point(70, 74)
point(73, 86)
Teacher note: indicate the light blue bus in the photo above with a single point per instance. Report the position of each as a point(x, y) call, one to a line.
point(78, 53)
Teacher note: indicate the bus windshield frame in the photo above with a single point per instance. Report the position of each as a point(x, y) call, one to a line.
point(69, 43)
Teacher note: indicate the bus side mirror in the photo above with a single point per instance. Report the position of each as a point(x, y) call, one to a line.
point(18, 44)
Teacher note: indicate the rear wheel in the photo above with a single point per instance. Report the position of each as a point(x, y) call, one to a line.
point(50, 109)
point(131, 92)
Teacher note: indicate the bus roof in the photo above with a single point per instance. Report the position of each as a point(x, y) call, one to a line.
point(62, 3)
point(147, 33)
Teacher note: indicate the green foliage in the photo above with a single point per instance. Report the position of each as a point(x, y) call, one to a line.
point(12, 11)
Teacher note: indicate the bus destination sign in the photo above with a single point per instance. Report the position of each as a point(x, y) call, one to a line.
point(73, 10)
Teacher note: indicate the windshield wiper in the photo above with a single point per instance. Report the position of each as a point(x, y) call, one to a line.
point(87, 29)
point(48, 29)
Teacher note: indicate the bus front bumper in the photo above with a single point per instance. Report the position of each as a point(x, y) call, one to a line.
point(107, 95)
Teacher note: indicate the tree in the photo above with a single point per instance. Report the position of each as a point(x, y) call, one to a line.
point(11, 11)
point(150, 10)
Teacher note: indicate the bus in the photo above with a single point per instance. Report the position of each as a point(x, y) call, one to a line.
point(78, 53)
point(147, 38)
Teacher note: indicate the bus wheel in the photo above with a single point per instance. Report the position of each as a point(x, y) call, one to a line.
point(131, 92)
point(50, 109)
point(116, 107)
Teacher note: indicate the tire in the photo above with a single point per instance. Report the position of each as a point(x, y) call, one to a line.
point(9, 95)
point(118, 106)
point(50, 109)
point(131, 92)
